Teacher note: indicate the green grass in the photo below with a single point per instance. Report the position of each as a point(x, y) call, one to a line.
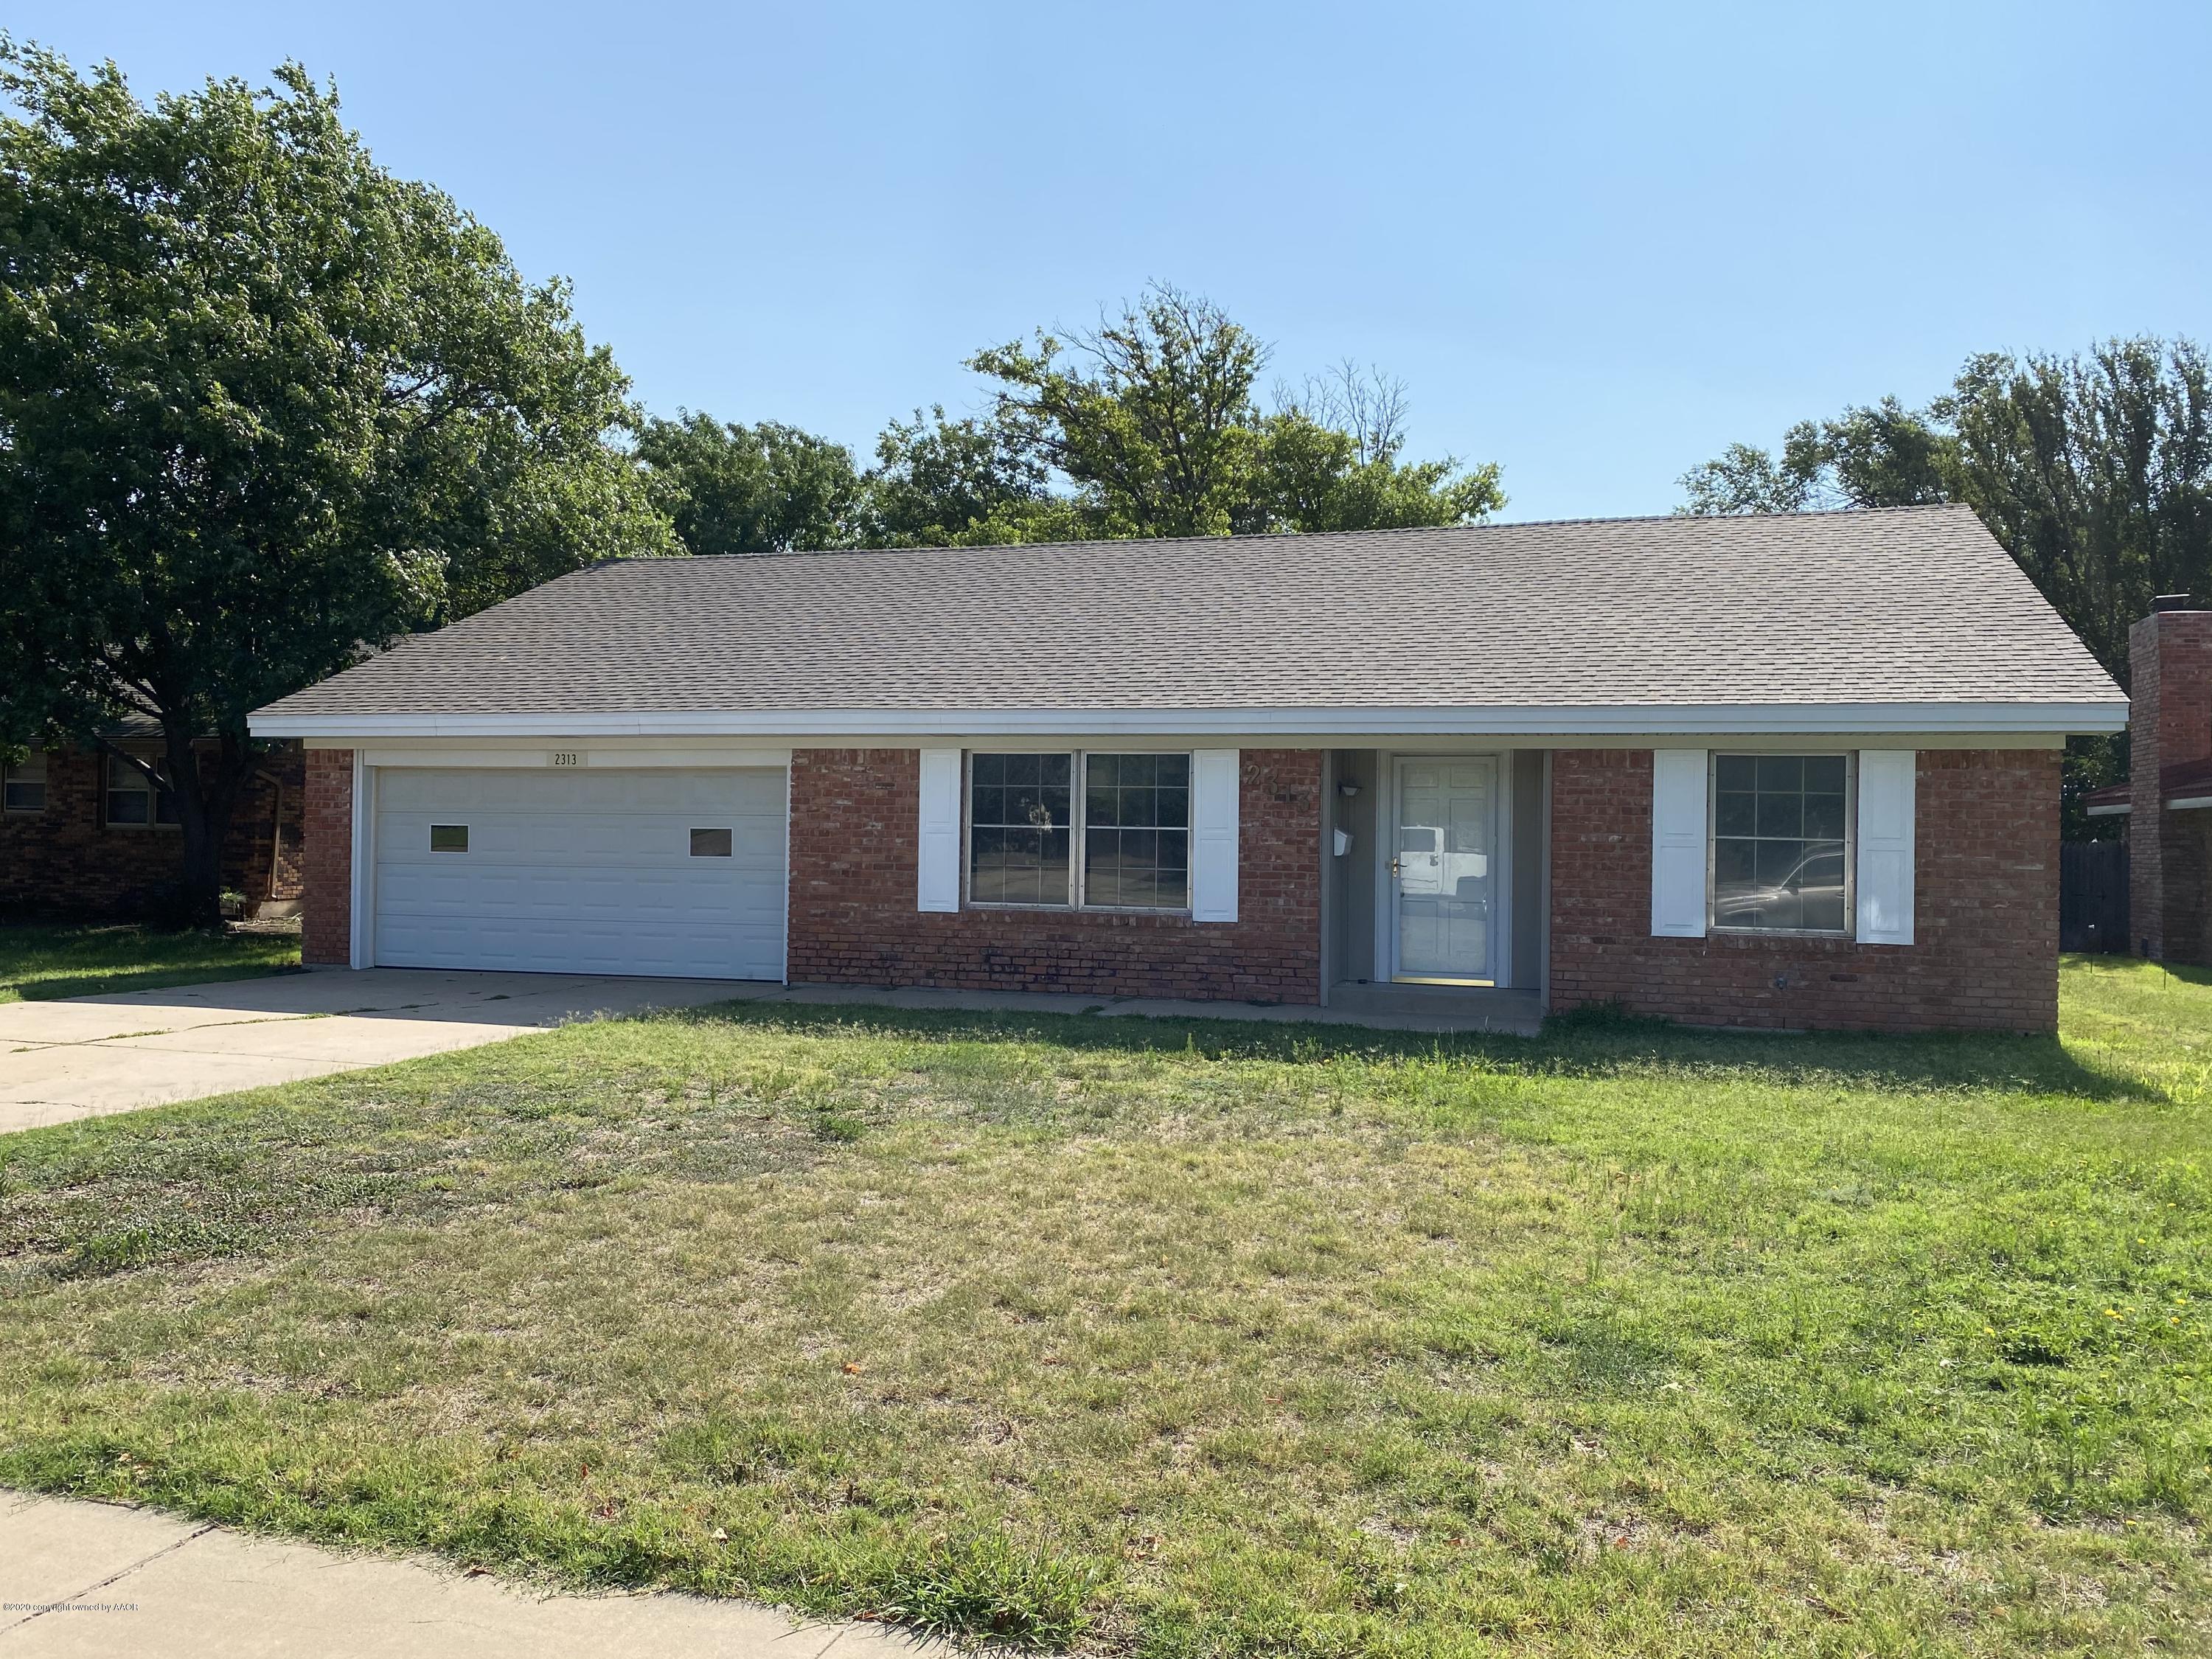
point(39, 964)
point(1184, 1339)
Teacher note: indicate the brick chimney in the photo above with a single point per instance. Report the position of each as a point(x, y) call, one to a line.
point(2170, 728)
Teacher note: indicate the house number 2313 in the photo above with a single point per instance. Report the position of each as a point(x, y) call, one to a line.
point(564, 758)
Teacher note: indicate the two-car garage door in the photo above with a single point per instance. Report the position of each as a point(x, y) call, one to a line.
point(674, 872)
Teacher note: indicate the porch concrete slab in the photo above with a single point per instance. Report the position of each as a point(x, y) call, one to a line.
point(93, 1055)
point(113, 1580)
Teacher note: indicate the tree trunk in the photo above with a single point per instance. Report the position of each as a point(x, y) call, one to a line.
point(205, 795)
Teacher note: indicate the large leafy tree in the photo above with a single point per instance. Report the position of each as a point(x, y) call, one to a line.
point(1151, 420)
point(2094, 470)
point(765, 488)
point(263, 406)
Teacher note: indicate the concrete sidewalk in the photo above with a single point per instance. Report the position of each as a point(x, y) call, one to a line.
point(87, 1056)
point(78, 1580)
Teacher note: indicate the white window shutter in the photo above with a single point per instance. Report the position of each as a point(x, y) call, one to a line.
point(1213, 785)
point(940, 838)
point(1678, 842)
point(1885, 872)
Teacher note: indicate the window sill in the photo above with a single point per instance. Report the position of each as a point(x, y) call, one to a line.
point(994, 907)
point(1780, 933)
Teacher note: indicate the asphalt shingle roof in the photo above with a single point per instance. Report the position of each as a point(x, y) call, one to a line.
point(1907, 605)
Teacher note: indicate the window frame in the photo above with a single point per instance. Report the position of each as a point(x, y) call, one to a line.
point(139, 785)
point(1077, 822)
point(1848, 931)
point(25, 774)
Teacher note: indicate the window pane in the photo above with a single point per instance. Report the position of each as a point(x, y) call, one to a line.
point(1780, 813)
point(1824, 816)
point(710, 843)
point(1019, 810)
point(165, 808)
point(449, 837)
point(1735, 772)
point(1781, 772)
point(127, 806)
point(25, 795)
point(1129, 860)
point(1778, 839)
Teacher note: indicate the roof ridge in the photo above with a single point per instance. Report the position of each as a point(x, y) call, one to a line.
point(1281, 535)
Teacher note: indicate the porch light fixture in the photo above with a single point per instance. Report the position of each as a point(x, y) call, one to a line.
point(1347, 789)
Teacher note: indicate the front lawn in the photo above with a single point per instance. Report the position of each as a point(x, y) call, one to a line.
point(1184, 1339)
point(39, 964)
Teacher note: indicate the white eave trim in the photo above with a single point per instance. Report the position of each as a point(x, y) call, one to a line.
point(2119, 811)
point(1648, 720)
point(2188, 803)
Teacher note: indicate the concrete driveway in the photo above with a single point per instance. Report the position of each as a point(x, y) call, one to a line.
point(91, 1055)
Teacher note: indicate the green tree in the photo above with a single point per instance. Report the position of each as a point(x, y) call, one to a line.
point(1151, 420)
point(263, 406)
point(940, 482)
point(765, 488)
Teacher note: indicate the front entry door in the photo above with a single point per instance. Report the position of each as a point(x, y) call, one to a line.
point(1443, 869)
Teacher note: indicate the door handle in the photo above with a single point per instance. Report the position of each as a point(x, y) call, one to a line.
point(1393, 866)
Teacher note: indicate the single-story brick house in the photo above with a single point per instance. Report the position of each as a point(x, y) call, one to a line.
point(1787, 771)
point(85, 836)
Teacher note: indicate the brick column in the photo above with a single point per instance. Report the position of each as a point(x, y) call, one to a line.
point(326, 859)
point(2169, 725)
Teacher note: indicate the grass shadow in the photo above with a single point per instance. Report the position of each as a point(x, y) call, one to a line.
point(1588, 1048)
point(148, 978)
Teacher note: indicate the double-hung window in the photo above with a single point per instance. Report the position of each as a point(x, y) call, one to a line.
point(1079, 828)
point(23, 787)
point(132, 801)
point(1780, 841)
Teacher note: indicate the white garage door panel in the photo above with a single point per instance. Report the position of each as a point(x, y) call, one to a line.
point(583, 872)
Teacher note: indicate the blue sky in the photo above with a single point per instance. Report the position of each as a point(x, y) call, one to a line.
point(1597, 242)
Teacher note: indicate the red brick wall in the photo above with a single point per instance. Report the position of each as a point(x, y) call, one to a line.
point(853, 821)
point(2170, 724)
point(326, 859)
point(1985, 916)
point(65, 862)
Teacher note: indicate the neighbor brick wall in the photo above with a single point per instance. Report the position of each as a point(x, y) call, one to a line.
point(326, 859)
point(2170, 724)
point(66, 862)
point(855, 817)
point(1985, 915)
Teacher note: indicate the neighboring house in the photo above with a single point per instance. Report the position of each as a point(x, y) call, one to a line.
point(84, 835)
point(1787, 771)
point(2168, 801)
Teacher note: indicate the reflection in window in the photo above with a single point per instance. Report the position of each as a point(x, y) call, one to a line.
point(1020, 813)
point(710, 843)
point(1136, 831)
point(1779, 835)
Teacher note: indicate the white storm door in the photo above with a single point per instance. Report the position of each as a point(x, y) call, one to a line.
point(664, 871)
point(1443, 869)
